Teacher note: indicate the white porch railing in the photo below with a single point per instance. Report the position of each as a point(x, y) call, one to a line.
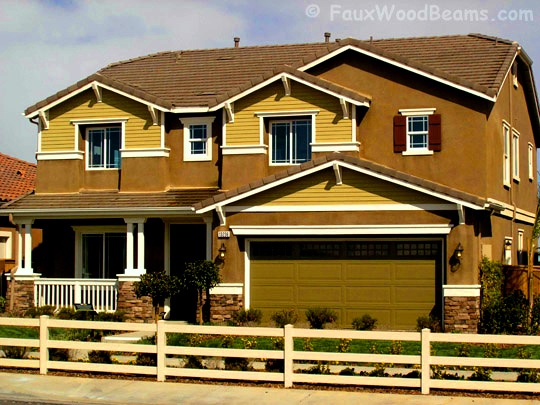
point(65, 292)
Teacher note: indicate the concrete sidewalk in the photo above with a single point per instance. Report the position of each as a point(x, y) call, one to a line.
point(32, 387)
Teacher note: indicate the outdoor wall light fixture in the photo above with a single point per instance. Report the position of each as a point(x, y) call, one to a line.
point(455, 260)
point(222, 250)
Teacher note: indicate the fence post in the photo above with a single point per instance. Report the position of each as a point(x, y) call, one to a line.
point(425, 359)
point(161, 344)
point(288, 349)
point(43, 343)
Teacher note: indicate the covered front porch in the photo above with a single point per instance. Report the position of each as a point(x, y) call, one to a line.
point(94, 256)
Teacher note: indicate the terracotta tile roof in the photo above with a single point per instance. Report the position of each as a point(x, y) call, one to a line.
point(361, 163)
point(17, 177)
point(111, 201)
point(200, 78)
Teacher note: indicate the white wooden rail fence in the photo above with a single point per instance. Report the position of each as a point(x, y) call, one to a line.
point(424, 361)
point(65, 292)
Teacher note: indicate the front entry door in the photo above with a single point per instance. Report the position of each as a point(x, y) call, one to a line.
point(187, 244)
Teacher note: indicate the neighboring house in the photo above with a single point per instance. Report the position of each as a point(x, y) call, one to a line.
point(365, 176)
point(17, 178)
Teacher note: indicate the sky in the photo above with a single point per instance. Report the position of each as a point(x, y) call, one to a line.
point(48, 45)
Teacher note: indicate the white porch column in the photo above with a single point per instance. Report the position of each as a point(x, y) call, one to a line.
point(129, 248)
point(25, 268)
point(140, 247)
point(131, 269)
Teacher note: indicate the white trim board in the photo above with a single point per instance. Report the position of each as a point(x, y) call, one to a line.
point(457, 290)
point(344, 207)
point(274, 230)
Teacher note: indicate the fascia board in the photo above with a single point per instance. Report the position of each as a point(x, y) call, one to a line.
point(291, 77)
point(96, 212)
point(89, 86)
point(348, 166)
point(400, 65)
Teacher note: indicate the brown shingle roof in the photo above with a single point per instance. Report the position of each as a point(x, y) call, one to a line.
point(361, 163)
point(112, 201)
point(199, 78)
point(17, 177)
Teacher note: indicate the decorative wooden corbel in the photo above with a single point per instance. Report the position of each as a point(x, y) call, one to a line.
point(229, 109)
point(337, 172)
point(97, 92)
point(153, 114)
point(345, 108)
point(221, 215)
point(44, 118)
point(286, 85)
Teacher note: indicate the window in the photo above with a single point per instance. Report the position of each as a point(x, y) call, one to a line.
point(290, 141)
point(103, 146)
point(515, 155)
point(417, 132)
point(103, 254)
point(506, 155)
point(197, 138)
point(530, 155)
point(6, 249)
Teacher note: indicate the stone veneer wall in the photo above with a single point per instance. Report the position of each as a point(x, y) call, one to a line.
point(136, 309)
point(222, 306)
point(461, 314)
point(23, 297)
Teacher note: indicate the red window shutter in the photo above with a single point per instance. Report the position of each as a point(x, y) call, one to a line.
point(400, 133)
point(435, 132)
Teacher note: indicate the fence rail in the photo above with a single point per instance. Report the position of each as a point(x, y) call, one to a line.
point(64, 293)
point(292, 360)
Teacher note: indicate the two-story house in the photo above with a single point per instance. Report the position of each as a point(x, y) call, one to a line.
point(364, 176)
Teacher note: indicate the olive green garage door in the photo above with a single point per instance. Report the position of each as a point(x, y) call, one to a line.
point(394, 282)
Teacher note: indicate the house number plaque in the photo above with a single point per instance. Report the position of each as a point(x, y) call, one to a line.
point(224, 234)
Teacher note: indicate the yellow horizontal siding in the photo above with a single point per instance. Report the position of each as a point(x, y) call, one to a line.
point(330, 125)
point(321, 189)
point(140, 133)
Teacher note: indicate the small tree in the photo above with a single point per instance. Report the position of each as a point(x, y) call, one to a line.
point(200, 276)
point(158, 286)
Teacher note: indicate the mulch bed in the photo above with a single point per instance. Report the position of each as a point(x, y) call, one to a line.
point(385, 390)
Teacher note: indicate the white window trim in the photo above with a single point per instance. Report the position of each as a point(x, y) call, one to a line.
point(530, 149)
point(415, 112)
point(8, 244)
point(107, 124)
point(286, 119)
point(88, 230)
point(515, 155)
point(506, 154)
point(187, 122)
point(521, 240)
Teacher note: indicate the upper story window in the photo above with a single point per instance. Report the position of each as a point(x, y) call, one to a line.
point(197, 138)
point(417, 131)
point(515, 155)
point(530, 155)
point(290, 141)
point(506, 154)
point(103, 146)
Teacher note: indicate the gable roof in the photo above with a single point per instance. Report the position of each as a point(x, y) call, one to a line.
point(353, 163)
point(204, 78)
point(17, 177)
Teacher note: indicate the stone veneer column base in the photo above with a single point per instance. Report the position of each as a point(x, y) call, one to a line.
point(23, 296)
point(223, 306)
point(136, 309)
point(461, 314)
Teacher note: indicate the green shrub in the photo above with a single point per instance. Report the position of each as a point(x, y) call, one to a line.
point(365, 322)
point(100, 356)
point(36, 312)
point(480, 374)
point(318, 317)
point(463, 350)
point(529, 375)
point(535, 316)
point(16, 352)
point(428, 322)
point(247, 317)
point(66, 313)
point(284, 317)
point(347, 371)
point(147, 359)
point(2, 304)
point(276, 364)
point(58, 354)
